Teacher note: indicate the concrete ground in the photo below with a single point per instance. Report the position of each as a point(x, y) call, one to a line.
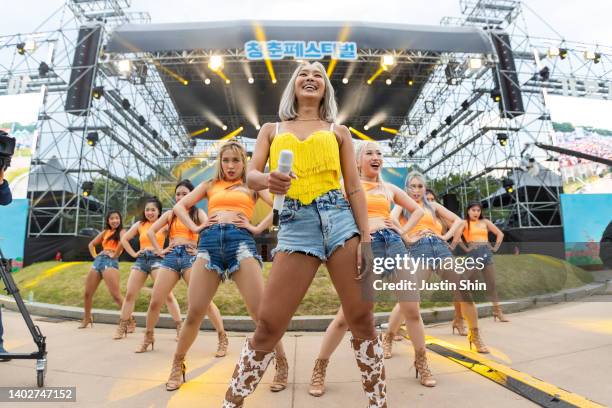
point(568, 345)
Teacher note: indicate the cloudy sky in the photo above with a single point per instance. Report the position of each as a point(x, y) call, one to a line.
point(584, 21)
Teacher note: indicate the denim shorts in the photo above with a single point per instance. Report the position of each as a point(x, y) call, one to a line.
point(223, 246)
point(387, 243)
point(482, 251)
point(104, 261)
point(316, 229)
point(178, 260)
point(147, 261)
point(430, 249)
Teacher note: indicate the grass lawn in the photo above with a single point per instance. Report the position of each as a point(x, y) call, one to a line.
point(517, 276)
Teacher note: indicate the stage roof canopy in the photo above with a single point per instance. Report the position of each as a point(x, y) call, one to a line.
point(417, 49)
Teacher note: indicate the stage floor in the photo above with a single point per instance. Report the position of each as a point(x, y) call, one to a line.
point(567, 345)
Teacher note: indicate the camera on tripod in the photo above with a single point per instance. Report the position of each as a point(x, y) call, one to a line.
point(7, 149)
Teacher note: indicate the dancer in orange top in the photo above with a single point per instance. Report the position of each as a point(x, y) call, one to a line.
point(476, 235)
point(177, 262)
point(147, 264)
point(105, 264)
point(226, 251)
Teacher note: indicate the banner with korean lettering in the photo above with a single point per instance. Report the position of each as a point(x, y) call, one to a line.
point(277, 50)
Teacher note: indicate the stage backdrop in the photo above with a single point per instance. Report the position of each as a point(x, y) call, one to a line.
point(585, 216)
point(18, 117)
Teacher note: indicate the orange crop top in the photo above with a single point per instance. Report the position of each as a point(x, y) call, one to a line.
point(145, 243)
point(179, 230)
point(109, 244)
point(221, 197)
point(426, 222)
point(476, 233)
point(379, 205)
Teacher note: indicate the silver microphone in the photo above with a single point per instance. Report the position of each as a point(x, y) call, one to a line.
point(285, 161)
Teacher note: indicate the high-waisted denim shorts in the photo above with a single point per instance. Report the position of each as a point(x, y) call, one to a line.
point(386, 243)
point(223, 246)
point(147, 261)
point(483, 252)
point(178, 260)
point(430, 248)
point(316, 229)
point(104, 261)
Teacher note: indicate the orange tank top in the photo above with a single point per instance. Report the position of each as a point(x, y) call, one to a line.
point(426, 222)
point(109, 244)
point(221, 197)
point(379, 205)
point(145, 243)
point(475, 233)
point(179, 230)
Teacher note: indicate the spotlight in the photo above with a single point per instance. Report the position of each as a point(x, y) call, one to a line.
point(388, 81)
point(21, 48)
point(433, 133)
point(369, 82)
point(274, 81)
point(411, 153)
point(597, 58)
point(227, 81)
point(475, 63)
point(43, 69)
point(421, 144)
point(345, 81)
point(448, 120)
point(502, 138)
point(154, 134)
point(563, 53)
point(592, 56)
point(387, 61)
point(185, 82)
point(207, 81)
point(250, 80)
point(141, 120)
point(465, 105)
point(366, 127)
point(124, 66)
point(92, 138)
point(174, 154)
point(215, 62)
point(257, 126)
point(97, 92)
point(553, 52)
point(224, 127)
point(496, 95)
point(410, 82)
point(545, 73)
point(87, 187)
point(126, 104)
point(508, 185)
point(165, 144)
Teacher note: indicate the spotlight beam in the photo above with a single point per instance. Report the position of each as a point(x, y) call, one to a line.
point(260, 35)
point(389, 130)
point(376, 74)
point(199, 132)
point(360, 135)
point(233, 133)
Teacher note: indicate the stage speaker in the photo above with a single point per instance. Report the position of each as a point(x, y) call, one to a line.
point(83, 73)
point(505, 77)
point(451, 202)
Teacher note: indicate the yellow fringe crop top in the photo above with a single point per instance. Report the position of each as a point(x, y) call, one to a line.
point(316, 163)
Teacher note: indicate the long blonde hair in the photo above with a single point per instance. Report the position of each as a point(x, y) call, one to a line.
point(236, 148)
point(426, 204)
point(328, 109)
